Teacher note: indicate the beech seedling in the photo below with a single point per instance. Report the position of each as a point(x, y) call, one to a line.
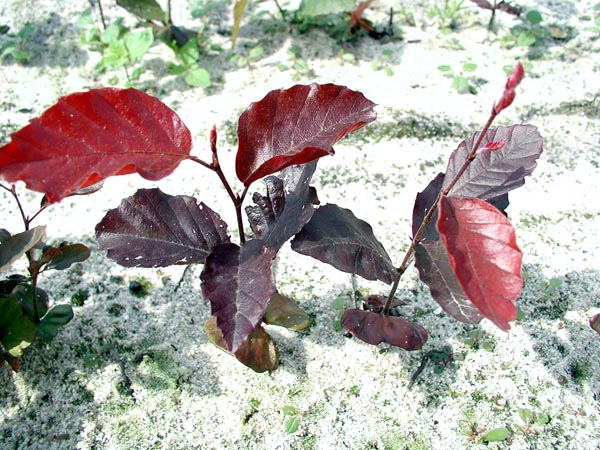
point(463, 245)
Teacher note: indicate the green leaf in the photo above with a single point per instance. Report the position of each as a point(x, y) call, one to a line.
point(388, 71)
point(313, 8)
point(526, 415)
point(198, 77)
point(201, 10)
point(461, 84)
point(189, 53)
point(256, 53)
point(289, 410)
point(525, 39)
point(291, 425)
point(146, 9)
point(542, 419)
point(534, 17)
point(15, 246)
point(177, 69)
point(58, 316)
point(23, 293)
point(444, 68)
point(68, 255)
point(85, 19)
point(469, 67)
point(17, 331)
point(283, 311)
point(238, 12)
point(496, 435)
point(111, 34)
point(115, 55)
point(137, 43)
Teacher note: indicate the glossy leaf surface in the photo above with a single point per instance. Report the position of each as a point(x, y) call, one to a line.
point(495, 172)
point(431, 260)
point(288, 205)
point(484, 255)
point(67, 255)
point(337, 237)
point(16, 245)
point(154, 229)
point(258, 352)
point(295, 126)
point(145, 9)
point(87, 137)
point(374, 328)
point(238, 282)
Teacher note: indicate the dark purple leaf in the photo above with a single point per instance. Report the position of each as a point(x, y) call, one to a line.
point(481, 244)
point(258, 351)
point(431, 260)
point(238, 282)
point(374, 328)
point(508, 8)
point(89, 136)
point(595, 323)
point(154, 229)
point(335, 236)
point(288, 205)
point(424, 201)
point(296, 126)
point(483, 4)
point(495, 172)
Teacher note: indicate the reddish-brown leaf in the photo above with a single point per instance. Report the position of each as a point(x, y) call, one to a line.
point(89, 136)
point(484, 255)
point(296, 126)
point(374, 328)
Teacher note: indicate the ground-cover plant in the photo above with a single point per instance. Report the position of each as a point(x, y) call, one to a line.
point(25, 310)
point(462, 81)
point(17, 46)
point(463, 245)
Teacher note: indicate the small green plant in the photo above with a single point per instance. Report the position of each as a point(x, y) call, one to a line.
point(346, 57)
point(381, 63)
point(25, 310)
point(462, 82)
point(529, 33)
point(447, 16)
point(292, 422)
point(188, 56)
point(477, 340)
point(17, 46)
point(121, 47)
point(249, 59)
point(296, 63)
point(496, 435)
point(530, 420)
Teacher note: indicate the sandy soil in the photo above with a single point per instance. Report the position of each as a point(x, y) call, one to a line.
point(132, 373)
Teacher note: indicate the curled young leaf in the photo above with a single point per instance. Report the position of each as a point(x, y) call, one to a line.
point(481, 244)
point(296, 126)
point(89, 136)
point(374, 328)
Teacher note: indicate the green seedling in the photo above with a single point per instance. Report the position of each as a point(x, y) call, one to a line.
point(447, 16)
point(346, 57)
point(382, 62)
point(26, 312)
point(531, 31)
point(476, 341)
point(292, 422)
point(17, 46)
point(461, 82)
point(188, 55)
point(249, 59)
point(496, 435)
point(296, 63)
point(531, 419)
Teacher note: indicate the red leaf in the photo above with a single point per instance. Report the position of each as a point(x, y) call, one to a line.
point(374, 328)
point(87, 137)
point(296, 126)
point(481, 244)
